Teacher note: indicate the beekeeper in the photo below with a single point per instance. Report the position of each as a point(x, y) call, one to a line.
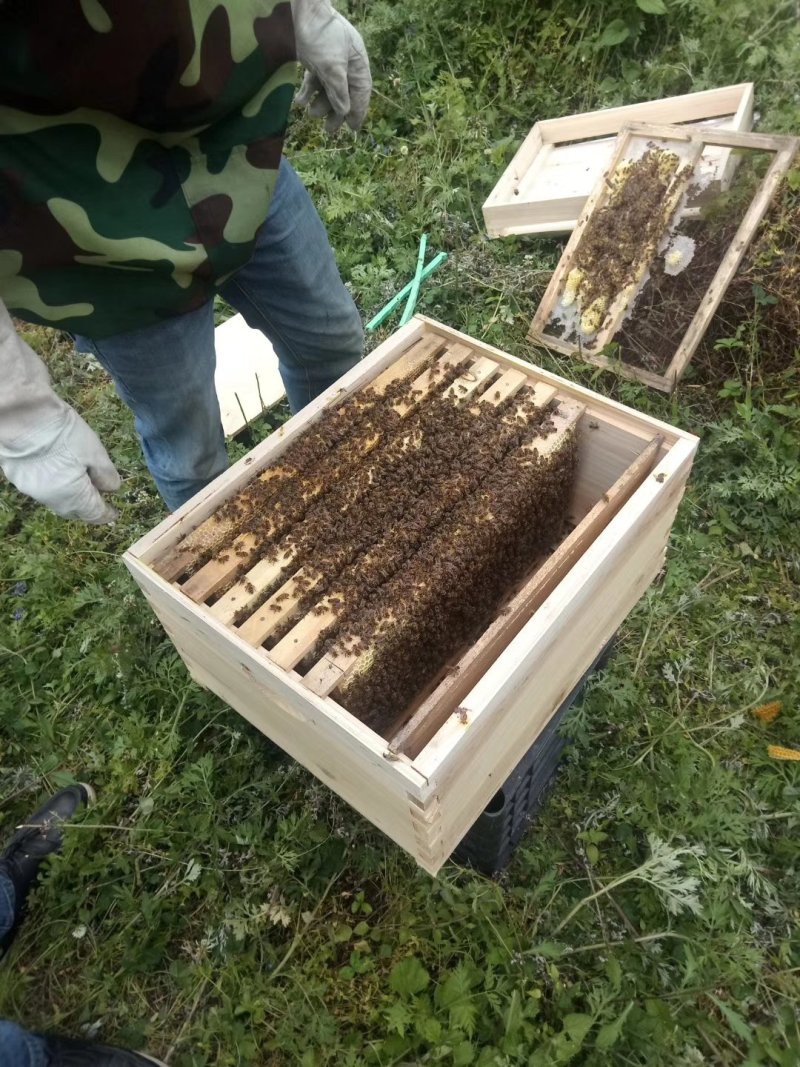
point(141, 173)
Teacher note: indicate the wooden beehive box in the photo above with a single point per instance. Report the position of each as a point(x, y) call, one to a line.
point(424, 780)
point(547, 183)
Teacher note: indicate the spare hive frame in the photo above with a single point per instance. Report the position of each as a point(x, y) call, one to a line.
point(430, 782)
point(692, 140)
point(247, 379)
point(508, 210)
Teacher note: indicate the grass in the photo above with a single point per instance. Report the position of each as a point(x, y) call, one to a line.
point(218, 906)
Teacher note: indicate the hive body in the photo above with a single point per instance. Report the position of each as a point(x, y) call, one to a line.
point(406, 641)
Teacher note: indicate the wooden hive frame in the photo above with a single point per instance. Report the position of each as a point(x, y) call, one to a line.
point(426, 783)
point(546, 184)
point(689, 143)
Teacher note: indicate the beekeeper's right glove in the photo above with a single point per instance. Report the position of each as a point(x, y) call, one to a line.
point(46, 449)
point(337, 82)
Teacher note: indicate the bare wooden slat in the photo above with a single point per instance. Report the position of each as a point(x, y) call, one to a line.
point(301, 638)
point(214, 575)
point(542, 394)
point(407, 365)
point(328, 673)
point(246, 591)
point(769, 142)
point(280, 607)
point(507, 386)
point(173, 563)
point(444, 700)
point(480, 372)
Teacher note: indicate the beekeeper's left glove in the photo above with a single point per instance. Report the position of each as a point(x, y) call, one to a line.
point(337, 84)
point(46, 449)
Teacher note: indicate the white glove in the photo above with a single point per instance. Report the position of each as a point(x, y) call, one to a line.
point(46, 449)
point(337, 84)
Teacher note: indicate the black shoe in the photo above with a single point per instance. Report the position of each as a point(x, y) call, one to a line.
point(69, 1052)
point(38, 837)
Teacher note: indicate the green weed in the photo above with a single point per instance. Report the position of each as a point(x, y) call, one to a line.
point(221, 907)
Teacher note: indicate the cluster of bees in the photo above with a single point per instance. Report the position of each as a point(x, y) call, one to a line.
point(411, 530)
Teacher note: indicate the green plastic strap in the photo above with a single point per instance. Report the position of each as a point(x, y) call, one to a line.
point(411, 303)
point(387, 309)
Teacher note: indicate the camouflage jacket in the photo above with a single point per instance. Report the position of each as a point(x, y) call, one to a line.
point(139, 146)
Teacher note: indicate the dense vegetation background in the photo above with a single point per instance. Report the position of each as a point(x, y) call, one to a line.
point(218, 905)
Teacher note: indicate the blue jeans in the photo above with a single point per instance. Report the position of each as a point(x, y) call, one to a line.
point(291, 290)
point(18, 1047)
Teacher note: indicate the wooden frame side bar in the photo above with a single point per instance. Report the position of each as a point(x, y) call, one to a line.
point(711, 135)
point(624, 370)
